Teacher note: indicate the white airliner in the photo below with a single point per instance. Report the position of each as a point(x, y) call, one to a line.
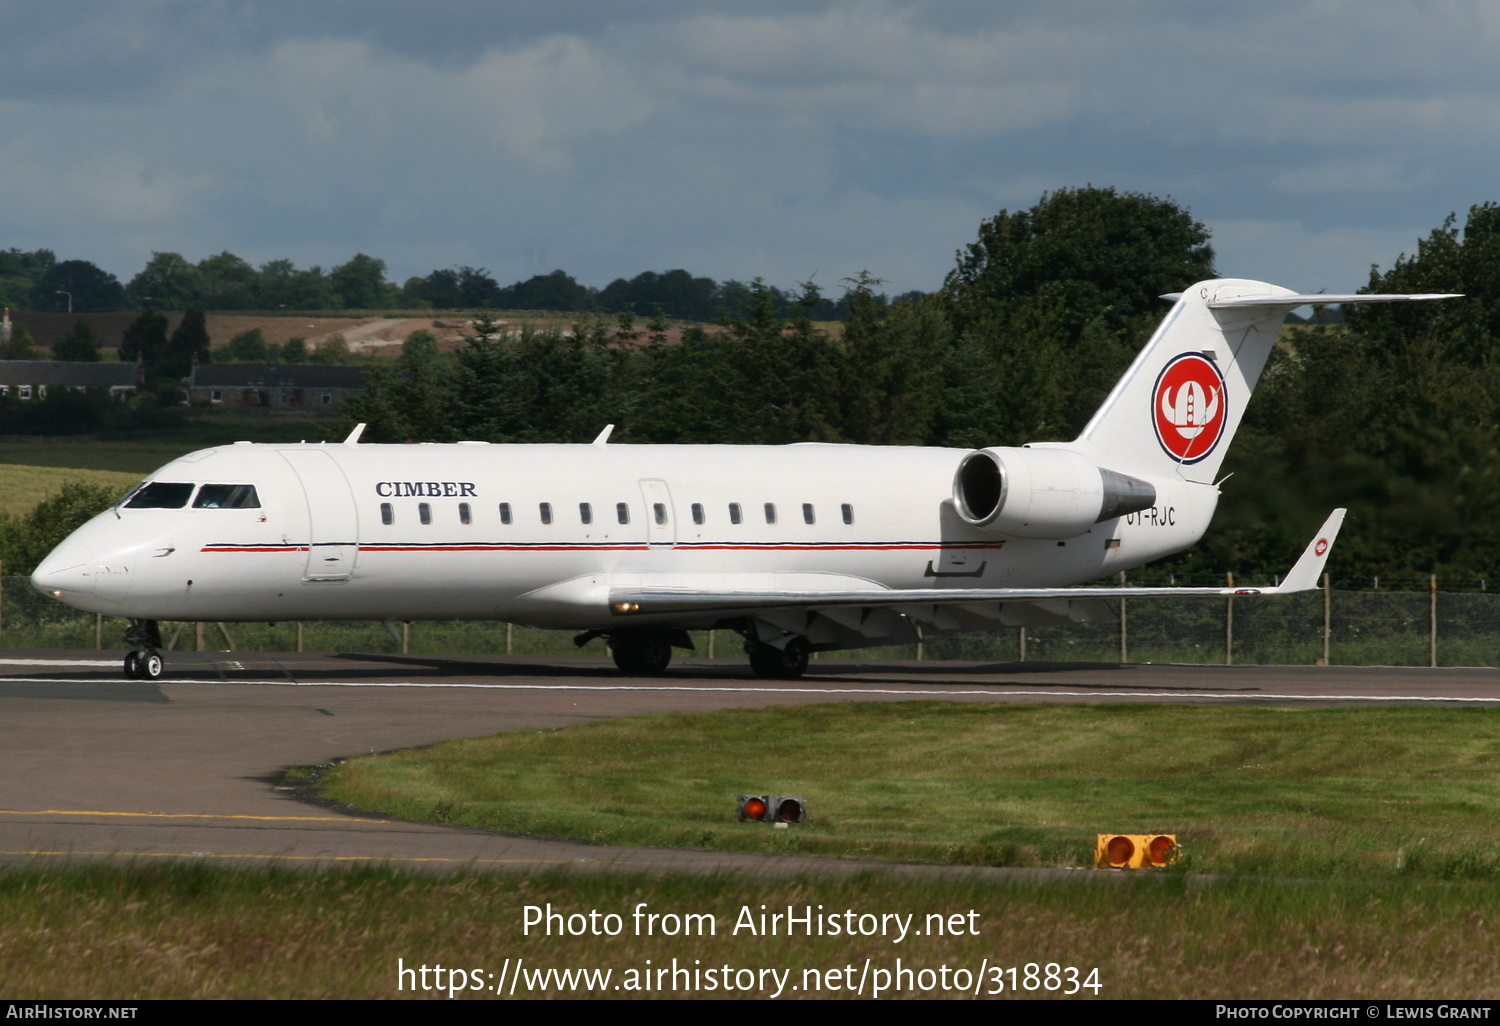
point(798, 548)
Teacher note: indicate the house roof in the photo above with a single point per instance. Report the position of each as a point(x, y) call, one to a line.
point(275, 375)
point(103, 374)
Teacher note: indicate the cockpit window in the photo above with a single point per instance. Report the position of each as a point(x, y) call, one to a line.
point(222, 496)
point(161, 495)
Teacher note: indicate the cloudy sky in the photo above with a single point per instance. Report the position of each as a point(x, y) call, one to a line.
point(783, 140)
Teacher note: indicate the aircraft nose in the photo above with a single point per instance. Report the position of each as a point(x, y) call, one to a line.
point(67, 570)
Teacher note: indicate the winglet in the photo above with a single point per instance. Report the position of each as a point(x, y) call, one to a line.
point(604, 435)
point(1304, 574)
point(353, 438)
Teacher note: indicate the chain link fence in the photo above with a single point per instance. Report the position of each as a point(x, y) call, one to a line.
point(1337, 625)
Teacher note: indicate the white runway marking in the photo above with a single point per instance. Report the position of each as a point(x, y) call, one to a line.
point(59, 662)
point(754, 689)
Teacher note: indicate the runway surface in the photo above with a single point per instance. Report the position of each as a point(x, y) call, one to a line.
point(97, 766)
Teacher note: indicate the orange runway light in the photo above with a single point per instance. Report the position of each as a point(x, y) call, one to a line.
point(1134, 851)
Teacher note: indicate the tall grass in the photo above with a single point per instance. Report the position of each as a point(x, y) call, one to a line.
point(195, 930)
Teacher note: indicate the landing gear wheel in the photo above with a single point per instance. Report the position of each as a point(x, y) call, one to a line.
point(641, 653)
point(787, 663)
point(143, 665)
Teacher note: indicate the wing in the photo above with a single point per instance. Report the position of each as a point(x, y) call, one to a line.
point(638, 601)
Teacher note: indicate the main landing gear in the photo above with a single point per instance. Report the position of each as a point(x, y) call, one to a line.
point(143, 662)
point(643, 651)
point(786, 663)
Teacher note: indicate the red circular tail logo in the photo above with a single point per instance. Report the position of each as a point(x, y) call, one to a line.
point(1189, 407)
point(1321, 547)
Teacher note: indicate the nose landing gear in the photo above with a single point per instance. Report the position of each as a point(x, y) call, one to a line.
point(143, 662)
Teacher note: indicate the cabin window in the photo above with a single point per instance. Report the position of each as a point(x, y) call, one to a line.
point(387, 514)
point(697, 512)
point(807, 513)
point(424, 512)
point(848, 512)
point(161, 495)
point(622, 512)
point(770, 512)
point(734, 513)
point(586, 512)
point(659, 511)
point(546, 510)
point(221, 496)
point(464, 516)
point(505, 512)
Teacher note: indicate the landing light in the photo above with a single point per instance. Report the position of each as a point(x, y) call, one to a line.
point(55, 593)
point(780, 809)
point(1134, 851)
point(626, 607)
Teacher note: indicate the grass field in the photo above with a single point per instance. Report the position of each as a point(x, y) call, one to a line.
point(200, 930)
point(1355, 794)
point(22, 487)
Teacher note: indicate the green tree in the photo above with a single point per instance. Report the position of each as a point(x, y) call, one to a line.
point(231, 282)
point(81, 343)
point(92, 289)
point(283, 286)
point(421, 346)
point(555, 291)
point(145, 339)
point(189, 343)
point(246, 347)
point(19, 273)
point(890, 382)
point(1086, 268)
point(360, 284)
point(294, 350)
point(27, 540)
point(21, 345)
point(167, 282)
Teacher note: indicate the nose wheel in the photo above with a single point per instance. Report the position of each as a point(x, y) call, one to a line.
point(143, 665)
point(144, 661)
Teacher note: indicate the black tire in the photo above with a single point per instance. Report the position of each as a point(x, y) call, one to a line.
point(150, 666)
point(774, 663)
point(641, 653)
point(132, 666)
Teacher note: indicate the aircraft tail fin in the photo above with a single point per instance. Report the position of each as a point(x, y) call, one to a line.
point(1180, 403)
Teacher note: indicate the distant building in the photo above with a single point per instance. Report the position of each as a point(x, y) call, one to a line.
point(30, 379)
point(277, 386)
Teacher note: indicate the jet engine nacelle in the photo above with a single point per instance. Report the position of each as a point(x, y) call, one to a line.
point(1043, 493)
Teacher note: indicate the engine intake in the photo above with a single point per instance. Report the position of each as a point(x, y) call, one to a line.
point(1043, 493)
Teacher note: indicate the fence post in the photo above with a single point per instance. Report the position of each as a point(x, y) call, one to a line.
point(299, 635)
point(1023, 644)
point(405, 637)
point(510, 635)
point(1229, 623)
point(921, 643)
point(2, 596)
point(1327, 609)
point(198, 634)
point(1124, 644)
point(98, 631)
point(1432, 621)
point(711, 643)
